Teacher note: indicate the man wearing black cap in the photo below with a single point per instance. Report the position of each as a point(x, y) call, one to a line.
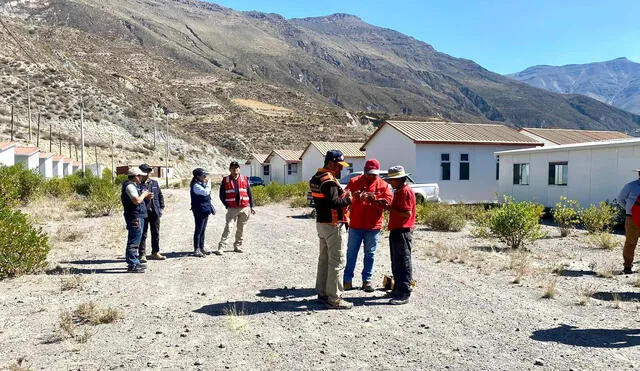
point(235, 194)
point(331, 219)
point(155, 207)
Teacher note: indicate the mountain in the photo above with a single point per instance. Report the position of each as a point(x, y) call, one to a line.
point(239, 82)
point(615, 82)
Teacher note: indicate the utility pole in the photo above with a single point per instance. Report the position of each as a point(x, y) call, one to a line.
point(82, 136)
point(29, 107)
point(12, 122)
point(69, 148)
point(166, 173)
point(38, 132)
point(60, 136)
point(50, 136)
point(113, 169)
point(97, 167)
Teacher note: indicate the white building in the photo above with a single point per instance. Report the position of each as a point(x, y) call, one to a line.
point(68, 166)
point(46, 165)
point(554, 137)
point(459, 157)
point(58, 166)
point(313, 156)
point(588, 172)
point(97, 169)
point(284, 166)
point(256, 166)
point(28, 157)
point(7, 154)
point(76, 167)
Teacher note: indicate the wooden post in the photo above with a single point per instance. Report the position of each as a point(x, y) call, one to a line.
point(75, 146)
point(113, 169)
point(50, 136)
point(60, 136)
point(82, 136)
point(29, 108)
point(12, 122)
point(69, 148)
point(97, 167)
point(38, 132)
point(166, 170)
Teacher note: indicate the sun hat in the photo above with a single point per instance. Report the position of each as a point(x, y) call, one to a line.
point(396, 172)
point(146, 168)
point(134, 171)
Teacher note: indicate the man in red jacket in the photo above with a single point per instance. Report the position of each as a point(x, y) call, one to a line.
point(365, 222)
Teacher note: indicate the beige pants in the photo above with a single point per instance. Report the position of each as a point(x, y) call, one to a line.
point(631, 232)
point(331, 261)
point(239, 215)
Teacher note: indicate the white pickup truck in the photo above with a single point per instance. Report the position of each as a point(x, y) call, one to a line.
point(425, 192)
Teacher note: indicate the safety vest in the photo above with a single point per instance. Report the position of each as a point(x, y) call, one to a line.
point(635, 212)
point(325, 212)
point(230, 191)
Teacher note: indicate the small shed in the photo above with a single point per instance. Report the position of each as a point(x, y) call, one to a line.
point(285, 166)
point(256, 166)
point(76, 166)
point(68, 166)
point(587, 172)
point(7, 154)
point(28, 156)
point(58, 166)
point(46, 165)
point(313, 156)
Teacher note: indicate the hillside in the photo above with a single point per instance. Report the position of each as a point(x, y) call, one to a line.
point(615, 82)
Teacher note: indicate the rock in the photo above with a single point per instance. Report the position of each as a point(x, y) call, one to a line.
point(368, 319)
point(538, 362)
point(197, 363)
point(158, 332)
point(222, 346)
point(344, 355)
point(183, 335)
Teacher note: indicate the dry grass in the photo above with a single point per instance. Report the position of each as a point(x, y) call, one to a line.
point(637, 283)
point(448, 254)
point(18, 366)
point(236, 320)
point(550, 290)
point(69, 233)
point(603, 240)
point(585, 292)
point(90, 313)
point(67, 325)
point(616, 303)
point(605, 271)
point(74, 282)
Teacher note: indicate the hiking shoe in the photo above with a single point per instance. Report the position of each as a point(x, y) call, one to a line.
point(143, 259)
point(347, 286)
point(206, 252)
point(157, 256)
point(368, 287)
point(400, 300)
point(136, 269)
point(218, 252)
point(339, 304)
point(627, 270)
point(198, 253)
point(237, 250)
point(323, 299)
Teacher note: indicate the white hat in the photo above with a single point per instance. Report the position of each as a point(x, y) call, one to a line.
point(134, 171)
point(396, 172)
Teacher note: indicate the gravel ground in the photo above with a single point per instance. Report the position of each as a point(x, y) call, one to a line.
point(257, 310)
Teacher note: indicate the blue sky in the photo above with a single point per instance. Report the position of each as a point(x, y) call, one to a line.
point(502, 36)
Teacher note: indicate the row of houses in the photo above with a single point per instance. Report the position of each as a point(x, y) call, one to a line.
point(49, 165)
point(479, 162)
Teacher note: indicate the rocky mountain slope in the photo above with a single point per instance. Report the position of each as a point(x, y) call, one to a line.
point(615, 82)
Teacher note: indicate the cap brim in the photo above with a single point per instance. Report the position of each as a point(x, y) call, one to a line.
point(402, 175)
point(344, 164)
point(373, 172)
point(638, 170)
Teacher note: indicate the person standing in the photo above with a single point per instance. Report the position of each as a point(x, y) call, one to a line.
point(331, 203)
point(402, 217)
point(201, 207)
point(134, 213)
point(155, 207)
point(365, 221)
point(627, 198)
point(235, 194)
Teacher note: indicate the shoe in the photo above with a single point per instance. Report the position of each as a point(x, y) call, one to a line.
point(143, 259)
point(237, 250)
point(347, 286)
point(339, 304)
point(367, 287)
point(157, 256)
point(404, 299)
point(206, 252)
point(136, 269)
point(627, 270)
point(218, 252)
point(198, 253)
point(323, 299)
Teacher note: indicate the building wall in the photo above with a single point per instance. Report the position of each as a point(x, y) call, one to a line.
point(390, 147)
point(58, 169)
point(254, 168)
point(312, 159)
point(30, 162)
point(46, 167)
point(279, 171)
point(593, 174)
point(7, 157)
point(97, 170)
point(68, 169)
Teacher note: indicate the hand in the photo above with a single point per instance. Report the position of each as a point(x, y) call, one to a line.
point(253, 212)
point(383, 203)
point(347, 194)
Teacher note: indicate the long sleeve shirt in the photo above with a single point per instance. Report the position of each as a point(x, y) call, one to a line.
point(202, 189)
point(223, 194)
point(629, 194)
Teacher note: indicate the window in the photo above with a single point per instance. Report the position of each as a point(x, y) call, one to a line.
point(521, 174)
point(292, 169)
point(464, 166)
point(558, 173)
point(265, 170)
point(445, 167)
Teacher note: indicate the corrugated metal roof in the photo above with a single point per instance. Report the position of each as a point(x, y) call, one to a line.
point(26, 151)
point(349, 149)
point(569, 136)
point(287, 155)
point(612, 143)
point(6, 145)
point(451, 132)
point(261, 157)
point(46, 155)
point(58, 158)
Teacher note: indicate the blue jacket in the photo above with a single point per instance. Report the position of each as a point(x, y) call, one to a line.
point(200, 204)
point(156, 204)
point(131, 210)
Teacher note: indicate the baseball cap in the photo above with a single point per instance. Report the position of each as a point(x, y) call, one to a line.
point(234, 164)
point(199, 172)
point(146, 168)
point(134, 171)
point(372, 166)
point(336, 156)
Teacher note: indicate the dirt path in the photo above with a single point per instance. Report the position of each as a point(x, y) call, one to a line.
point(257, 310)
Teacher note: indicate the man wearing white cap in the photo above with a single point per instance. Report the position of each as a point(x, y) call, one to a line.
point(135, 211)
point(627, 198)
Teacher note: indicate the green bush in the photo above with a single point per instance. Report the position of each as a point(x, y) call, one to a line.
point(596, 219)
point(59, 187)
point(276, 192)
point(513, 223)
point(565, 214)
point(121, 179)
point(298, 201)
point(19, 185)
point(103, 199)
point(441, 217)
point(23, 248)
point(260, 196)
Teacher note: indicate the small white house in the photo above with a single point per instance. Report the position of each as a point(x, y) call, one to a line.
point(459, 157)
point(256, 166)
point(554, 137)
point(58, 166)
point(7, 154)
point(76, 167)
point(68, 166)
point(284, 166)
point(588, 172)
point(28, 157)
point(46, 165)
point(97, 169)
point(313, 156)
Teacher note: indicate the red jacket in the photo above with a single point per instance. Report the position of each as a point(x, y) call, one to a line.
point(367, 214)
point(403, 200)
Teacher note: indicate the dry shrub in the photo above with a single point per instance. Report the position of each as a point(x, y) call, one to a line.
point(69, 234)
point(550, 290)
point(603, 240)
point(74, 282)
point(236, 320)
point(92, 314)
point(585, 292)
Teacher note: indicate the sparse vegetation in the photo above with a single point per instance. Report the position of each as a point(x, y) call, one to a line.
point(24, 248)
point(585, 292)
point(236, 320)
point(603, 240)
point(599, 218)
point(441, 216)
point(74, 282)
point(550, 290)
point(565, 214)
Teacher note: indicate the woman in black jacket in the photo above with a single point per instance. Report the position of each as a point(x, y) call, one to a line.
point(201, 206)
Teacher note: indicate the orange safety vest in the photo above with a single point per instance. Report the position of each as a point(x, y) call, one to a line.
point(340, 215)
point(230, 191)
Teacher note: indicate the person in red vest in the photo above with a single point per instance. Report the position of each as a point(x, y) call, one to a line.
point(235, 194)
point(365, 222)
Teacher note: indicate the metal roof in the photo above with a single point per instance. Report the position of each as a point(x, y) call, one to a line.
point(6, 145)
point(261, 157)
point(578, 146)
point(46, 155)
point(26, 151)
point(451, 132)
point(569, 136)
point(349, 149)
point(287, 155)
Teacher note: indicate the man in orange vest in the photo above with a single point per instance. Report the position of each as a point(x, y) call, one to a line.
point(235, 194)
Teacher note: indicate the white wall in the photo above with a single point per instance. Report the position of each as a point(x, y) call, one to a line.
point(279, 171)
point(58, 169)
point(254, 168)
point(392, 148)
point(97, 171)
point(312, 160)
point(68, 168)
point(7, 157)
point(594, 174)
point(46, 167)
point(30, 162)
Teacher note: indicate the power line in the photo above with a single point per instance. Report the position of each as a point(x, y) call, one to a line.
point(18, 43)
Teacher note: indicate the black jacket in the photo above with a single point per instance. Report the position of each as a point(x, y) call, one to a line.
point(331, 207)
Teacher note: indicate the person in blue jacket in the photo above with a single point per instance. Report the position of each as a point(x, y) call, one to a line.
point(201, 207)
point(155, 208)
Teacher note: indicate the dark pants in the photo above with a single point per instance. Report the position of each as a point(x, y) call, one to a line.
point(153, 222)
point(400, 241)
point(134, 229)
point(198, 233)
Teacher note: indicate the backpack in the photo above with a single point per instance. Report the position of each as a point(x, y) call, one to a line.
point(635, 212)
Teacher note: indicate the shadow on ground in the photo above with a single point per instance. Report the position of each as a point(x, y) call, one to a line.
point(593, 338)
point(613, 296)
point(73, 270)
point(575, 273)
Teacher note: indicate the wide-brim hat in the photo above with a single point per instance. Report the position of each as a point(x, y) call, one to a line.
point(134, 171)
point(396, 172)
